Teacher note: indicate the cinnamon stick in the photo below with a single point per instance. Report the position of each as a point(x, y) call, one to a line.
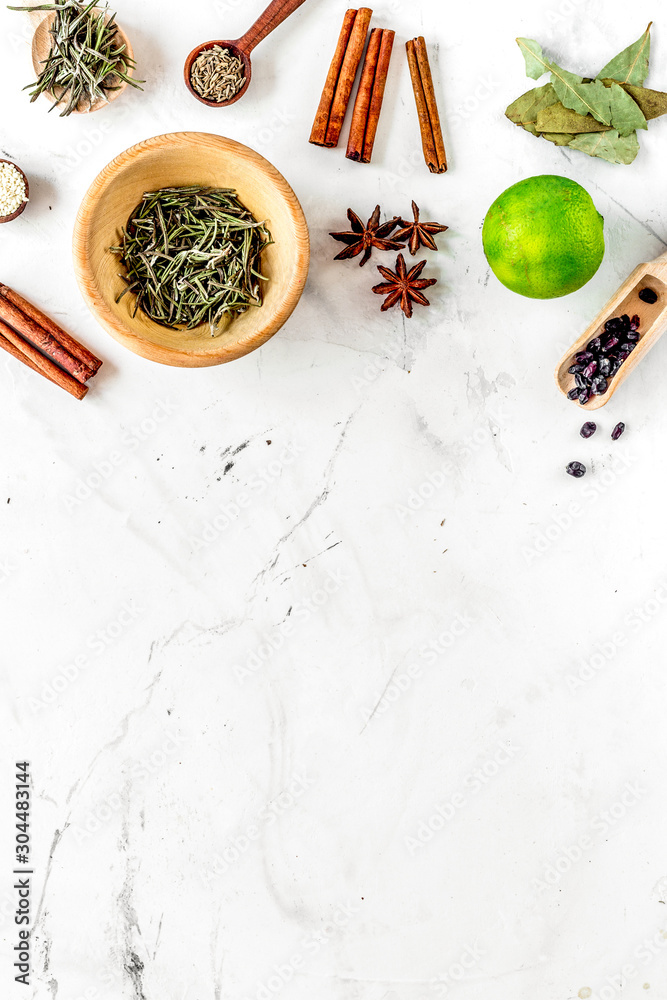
point(14, 344)
point(345, 81)
point(76, 349)
point(370, 95)
point(39, 337)
point(321, 123)
point(427, 107)
point(378, 93)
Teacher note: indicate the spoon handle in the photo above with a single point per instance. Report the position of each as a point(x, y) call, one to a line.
point(274, 15)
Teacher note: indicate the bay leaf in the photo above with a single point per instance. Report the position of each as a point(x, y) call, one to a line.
point(585, 98)
point(557, 118)
point(652, 103)
point(558, 138)
point(536, 64)
point(626, 115)
point(630, 65)
point(525, 109)
point(609, 146)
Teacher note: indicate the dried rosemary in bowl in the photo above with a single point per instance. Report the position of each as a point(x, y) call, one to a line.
point(87, 59)
point(217, 74)
point(192, 256)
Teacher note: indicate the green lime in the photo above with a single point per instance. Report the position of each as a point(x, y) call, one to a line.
point(543, 237)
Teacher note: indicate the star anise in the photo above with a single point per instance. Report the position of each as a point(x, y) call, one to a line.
point(402, 286)
point(366, 237)
point(418, 233)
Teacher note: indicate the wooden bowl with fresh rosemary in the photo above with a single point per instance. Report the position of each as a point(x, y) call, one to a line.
point(86, 48)
point(137, 194)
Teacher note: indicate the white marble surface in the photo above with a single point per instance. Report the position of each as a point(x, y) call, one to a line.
point(395, 730)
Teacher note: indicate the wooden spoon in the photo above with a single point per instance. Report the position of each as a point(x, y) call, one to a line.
point(41, 46)
point(275, 14)
point(653, 322)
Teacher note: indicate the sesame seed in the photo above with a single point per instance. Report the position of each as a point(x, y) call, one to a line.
point(12, 189)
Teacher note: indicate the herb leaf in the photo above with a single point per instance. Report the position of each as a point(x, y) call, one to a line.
point(652, 103)
point(584, 98)
point(558, 118)
point(608, 146)
point(536, 64)
point(525, 109)
point(630, 65)
point(626, 115)
point(558, 138)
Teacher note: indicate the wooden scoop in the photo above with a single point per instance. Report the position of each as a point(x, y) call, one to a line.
point(653, 322)
point(275, 14)
point(41, 46)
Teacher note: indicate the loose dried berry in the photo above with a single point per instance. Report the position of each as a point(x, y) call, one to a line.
point(589, 429)
point(648, 295)
point(576, 469)
point(617, 431)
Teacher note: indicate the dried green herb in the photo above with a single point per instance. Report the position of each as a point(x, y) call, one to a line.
point(525, 109)
point(192, 256)
point(652, 103)
point(630, 65)
point(626, 115)
point(87, 59)
point(608, 145)
point(598, 116)
point(584, 98)
point(557, 118)
point(558, 138)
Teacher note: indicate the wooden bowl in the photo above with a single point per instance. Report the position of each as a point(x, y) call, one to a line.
point(21, 208)
point(41, 46)
point(183, 158)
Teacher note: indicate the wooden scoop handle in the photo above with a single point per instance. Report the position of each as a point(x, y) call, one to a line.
point(275, 14)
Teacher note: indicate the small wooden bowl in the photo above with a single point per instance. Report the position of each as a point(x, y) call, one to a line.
point(21, 208)
point(180, 159)
point(41, 46)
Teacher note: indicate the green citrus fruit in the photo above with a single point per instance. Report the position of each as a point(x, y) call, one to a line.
point(543, 237)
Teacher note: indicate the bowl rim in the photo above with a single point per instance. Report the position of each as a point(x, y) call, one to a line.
point(226, 351)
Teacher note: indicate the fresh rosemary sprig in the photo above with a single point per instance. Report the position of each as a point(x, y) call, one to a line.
point(87, 59)
point(192, 256)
